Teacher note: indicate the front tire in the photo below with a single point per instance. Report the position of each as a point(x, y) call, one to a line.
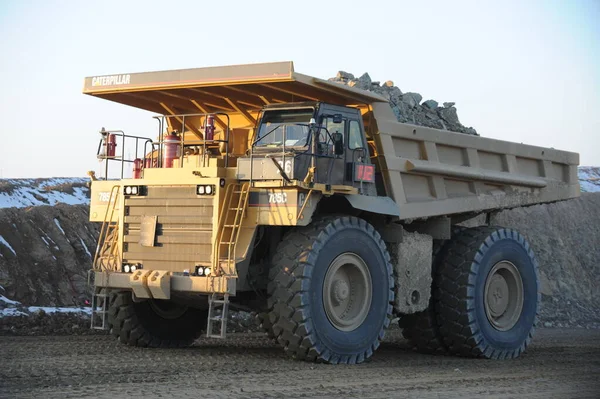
point(487, 294)
point(332, 291)
point(154, 323)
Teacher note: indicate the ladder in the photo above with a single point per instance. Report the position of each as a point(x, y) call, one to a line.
point(233, 211)
point(215, 302)
point(107, 254)
point(100, 316)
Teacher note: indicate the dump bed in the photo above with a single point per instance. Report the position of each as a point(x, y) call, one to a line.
point(428, 172)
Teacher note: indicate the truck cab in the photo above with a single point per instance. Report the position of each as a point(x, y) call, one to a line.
point(296, 141)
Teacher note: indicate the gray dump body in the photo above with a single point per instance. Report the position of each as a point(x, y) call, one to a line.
point(430, 172)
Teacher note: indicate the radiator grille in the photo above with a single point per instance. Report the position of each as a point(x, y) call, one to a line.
point(183, 228)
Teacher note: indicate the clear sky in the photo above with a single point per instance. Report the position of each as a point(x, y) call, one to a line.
point(525, 71)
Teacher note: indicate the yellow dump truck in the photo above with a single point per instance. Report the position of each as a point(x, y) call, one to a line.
point(306, 202)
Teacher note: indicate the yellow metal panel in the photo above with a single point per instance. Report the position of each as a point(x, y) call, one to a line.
point(159, 284)
point(200, 285)
point(137, 282)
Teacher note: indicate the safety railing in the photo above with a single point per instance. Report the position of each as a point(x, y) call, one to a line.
point(117, 147)
point(198, 123)
point(108, 149)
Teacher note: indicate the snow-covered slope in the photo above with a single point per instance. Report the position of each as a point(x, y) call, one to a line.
point(20, 193)
point(589, 179)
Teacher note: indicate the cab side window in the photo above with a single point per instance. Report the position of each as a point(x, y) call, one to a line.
point(331, 127)
point(355, 139)
point(325, 142)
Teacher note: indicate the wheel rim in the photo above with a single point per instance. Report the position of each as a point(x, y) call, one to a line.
point(166, 309)
point(347, 292)
point(503, 296)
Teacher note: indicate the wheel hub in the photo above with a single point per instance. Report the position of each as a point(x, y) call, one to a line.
point(503, 296)
point(498, 295)
point(347, 292)
point(340, 291)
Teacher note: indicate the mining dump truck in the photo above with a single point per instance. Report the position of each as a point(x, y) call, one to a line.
point(305, 202)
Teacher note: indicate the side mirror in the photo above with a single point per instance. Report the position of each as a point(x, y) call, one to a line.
point(338, 143)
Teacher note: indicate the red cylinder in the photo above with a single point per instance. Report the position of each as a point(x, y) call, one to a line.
point(148, 163)
point(137, 168)
point(171, 151)
point(209, 128)
point(111, 145)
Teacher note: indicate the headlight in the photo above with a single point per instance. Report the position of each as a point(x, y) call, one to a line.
point(133, 190)
point(133, 268)
point(205, 189)
point(126, 268)
point(199, 271)
point(207, 271)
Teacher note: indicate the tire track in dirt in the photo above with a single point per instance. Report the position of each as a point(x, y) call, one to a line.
point(561, 363)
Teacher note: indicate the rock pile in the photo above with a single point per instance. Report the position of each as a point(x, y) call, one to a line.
point(408, 106)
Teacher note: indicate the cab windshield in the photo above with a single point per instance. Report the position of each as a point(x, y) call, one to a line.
point(289, 127)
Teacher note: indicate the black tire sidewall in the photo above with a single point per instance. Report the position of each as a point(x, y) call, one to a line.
point(184, 327)
point(363, 244)
point(508, 249)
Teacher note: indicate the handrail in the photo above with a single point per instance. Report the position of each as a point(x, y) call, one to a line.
point(105, 229)
point(158, 145)
point(161, 119)
point(121, 159)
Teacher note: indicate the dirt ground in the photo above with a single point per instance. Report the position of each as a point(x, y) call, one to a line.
point(561, 363)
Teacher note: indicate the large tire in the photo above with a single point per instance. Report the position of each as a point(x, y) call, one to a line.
point(265, 324)
point(421, 329)
point(140, 324)
point(317, 314)
point(487, 294)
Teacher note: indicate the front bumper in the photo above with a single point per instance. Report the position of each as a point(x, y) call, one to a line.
point(159, 284)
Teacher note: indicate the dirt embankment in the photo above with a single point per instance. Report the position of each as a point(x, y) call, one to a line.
point(45, 253)
point(566, 239)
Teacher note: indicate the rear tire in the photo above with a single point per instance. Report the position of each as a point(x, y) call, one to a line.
point(154, 323)
point(332, 291)
point(487, 294)
point(421, 329)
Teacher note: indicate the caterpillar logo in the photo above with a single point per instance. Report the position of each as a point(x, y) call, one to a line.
point(112, 80)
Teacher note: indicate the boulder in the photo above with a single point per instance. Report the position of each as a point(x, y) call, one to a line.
point(412, 99)
point(344, 76)
point(431, 104)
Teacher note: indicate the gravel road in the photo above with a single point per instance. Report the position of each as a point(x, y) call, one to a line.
point(561, 363)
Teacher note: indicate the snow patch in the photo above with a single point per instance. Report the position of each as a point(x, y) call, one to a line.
point(87, 251)
point(589, 179)
point(21, 193)
point(8, 301)
point(7, 245)
point(57, 223)
point(50, 310)
point(11, 312)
